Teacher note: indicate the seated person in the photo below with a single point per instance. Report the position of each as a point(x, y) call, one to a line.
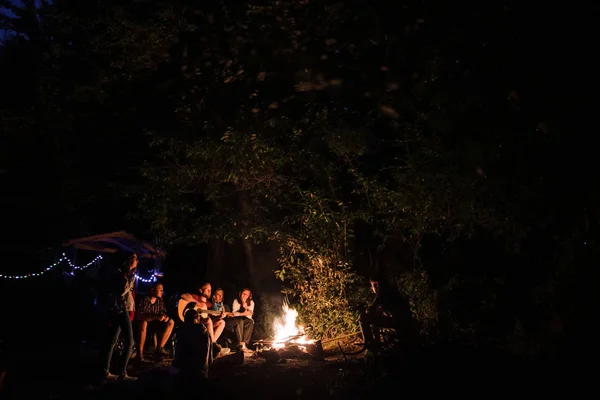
point(243, 309)
point(153, 315)
point(214, 328)
point(388, 310)
point(193, 351)
point(219, 305)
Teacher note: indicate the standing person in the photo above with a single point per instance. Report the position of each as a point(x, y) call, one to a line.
point(153, 314)
point(243, 309)
point(118, 303)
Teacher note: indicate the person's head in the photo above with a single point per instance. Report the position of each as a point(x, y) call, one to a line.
point(205, 290)
point(218, 296)
point(127, 261)
point(374, 284)
point(157, 290)
point(191, 316)
point(245, 296)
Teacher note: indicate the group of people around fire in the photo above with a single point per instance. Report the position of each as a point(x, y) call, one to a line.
point(205, 318)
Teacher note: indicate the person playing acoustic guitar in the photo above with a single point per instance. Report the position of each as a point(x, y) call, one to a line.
point(215, 328)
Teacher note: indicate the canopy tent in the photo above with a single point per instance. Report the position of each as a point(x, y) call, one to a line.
point(112, 242)
point(149, 255)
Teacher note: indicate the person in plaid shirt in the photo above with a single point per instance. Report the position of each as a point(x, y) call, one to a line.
point(153, 316)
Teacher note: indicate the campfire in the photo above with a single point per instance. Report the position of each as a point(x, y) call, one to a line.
point(287, 332)
point(290, 340)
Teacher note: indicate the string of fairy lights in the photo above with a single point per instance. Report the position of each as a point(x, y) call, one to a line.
point(65, 259)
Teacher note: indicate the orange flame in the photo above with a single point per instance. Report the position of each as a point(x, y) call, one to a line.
point(286, 330)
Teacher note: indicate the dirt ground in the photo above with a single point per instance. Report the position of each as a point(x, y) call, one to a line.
point(65, 375)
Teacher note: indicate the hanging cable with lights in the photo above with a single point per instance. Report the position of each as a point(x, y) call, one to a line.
point(65, 259)
point(149, 280)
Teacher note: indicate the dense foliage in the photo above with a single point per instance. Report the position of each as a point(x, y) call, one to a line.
point(358, 136)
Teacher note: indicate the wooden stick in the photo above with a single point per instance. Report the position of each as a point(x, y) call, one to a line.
point(287, 339)
point(339, 337)
point(299, 336)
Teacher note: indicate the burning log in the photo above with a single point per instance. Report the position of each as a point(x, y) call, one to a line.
point(273, 342)
point(290, 341)
point(296, 351)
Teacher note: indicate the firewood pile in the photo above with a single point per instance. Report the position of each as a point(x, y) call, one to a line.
point(290, 351)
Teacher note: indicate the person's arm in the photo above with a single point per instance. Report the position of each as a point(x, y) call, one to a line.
point(235, 308)
point(250, 309)
point(227, 309)
point(373, 306)
point(162, 308)
point(115, 284)
point(188, 297)
point(111, 290)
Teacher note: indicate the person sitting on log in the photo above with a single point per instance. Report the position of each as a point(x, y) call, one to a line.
point(153, 315)
point(243, 309)
point(214, 329)
point(193, 353)
point(388, 310)
point(219, 305)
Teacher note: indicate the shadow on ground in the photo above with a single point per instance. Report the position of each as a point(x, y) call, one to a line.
point(66, 373)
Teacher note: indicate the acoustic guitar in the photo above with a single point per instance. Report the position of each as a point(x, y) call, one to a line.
point(182, 305)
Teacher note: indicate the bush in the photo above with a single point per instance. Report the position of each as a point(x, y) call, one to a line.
point(329, 294)
point(423, 300)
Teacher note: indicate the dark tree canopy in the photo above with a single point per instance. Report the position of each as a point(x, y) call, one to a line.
point(416, 137)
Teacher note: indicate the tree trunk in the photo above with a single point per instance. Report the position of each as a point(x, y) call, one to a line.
point(249, 252)
point(248, 245)
point(216, 260)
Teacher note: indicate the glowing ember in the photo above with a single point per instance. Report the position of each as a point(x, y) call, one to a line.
point(287, 332)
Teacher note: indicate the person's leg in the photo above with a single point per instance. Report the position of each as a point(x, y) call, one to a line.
point(367, 324)
point(209, 326)
point(248, 329)
point(239, 331)
point(114, 331)
point(142, 338)
point(166, 333)
point(231, 324)
point(231, 328)
point(127, 329)
point(218, 326)
point(365, 328)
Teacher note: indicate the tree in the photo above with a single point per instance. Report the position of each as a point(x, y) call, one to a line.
point(287, 131)
point(356, 136)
